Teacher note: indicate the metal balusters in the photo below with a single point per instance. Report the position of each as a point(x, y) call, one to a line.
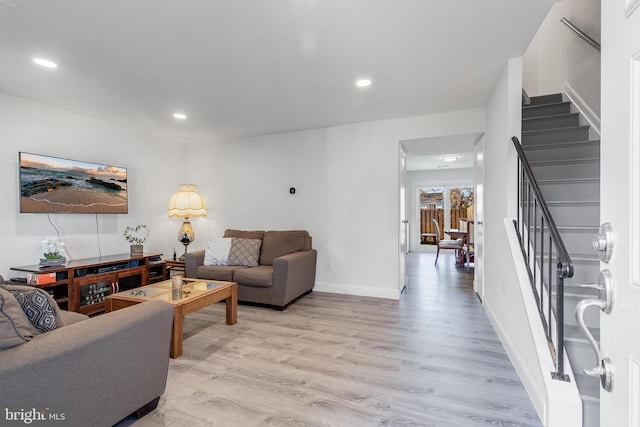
point(535, 251)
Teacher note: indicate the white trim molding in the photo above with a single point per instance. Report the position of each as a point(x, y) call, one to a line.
point(584, 109)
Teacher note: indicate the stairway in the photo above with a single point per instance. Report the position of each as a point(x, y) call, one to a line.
point(566, 163)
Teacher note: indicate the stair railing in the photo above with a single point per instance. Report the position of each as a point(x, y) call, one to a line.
point(548, 262)
point(584, 36)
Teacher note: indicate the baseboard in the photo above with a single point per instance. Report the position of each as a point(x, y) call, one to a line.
point(584, 109)
point(362, 291)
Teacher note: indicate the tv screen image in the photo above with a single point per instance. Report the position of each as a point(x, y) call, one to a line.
point(56, 185)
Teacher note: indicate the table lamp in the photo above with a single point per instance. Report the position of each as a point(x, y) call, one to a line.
point(186, 204)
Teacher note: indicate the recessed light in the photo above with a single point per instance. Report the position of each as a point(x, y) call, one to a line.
point(363, 83)
point(450, 158)
point(180, 116)
point(45, 63)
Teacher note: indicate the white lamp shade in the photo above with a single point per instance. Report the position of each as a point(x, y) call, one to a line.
point(186, 203)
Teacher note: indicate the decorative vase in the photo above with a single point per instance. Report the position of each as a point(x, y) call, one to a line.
point(136, 250)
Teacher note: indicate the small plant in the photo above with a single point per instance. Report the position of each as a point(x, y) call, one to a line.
point(52, 247)
point(136, 235)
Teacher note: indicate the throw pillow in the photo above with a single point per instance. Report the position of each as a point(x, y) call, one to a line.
point(278, 243)
point(52, 302)
point(245, 252)
point(217, 251)
point(242, 234)
point(15, 328)
point(37, 307)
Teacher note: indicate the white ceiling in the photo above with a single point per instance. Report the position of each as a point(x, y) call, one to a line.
point(429, 153)
point(250, 67)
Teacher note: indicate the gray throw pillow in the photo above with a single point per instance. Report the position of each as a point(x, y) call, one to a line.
point(15, 328)
point(37, 307)
point(244, 252)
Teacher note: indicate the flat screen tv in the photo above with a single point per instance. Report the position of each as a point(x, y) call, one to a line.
point(55, 185)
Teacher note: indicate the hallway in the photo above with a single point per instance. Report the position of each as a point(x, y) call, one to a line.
point(461, 347)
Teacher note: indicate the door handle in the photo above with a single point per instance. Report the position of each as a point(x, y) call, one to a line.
point(604, 366)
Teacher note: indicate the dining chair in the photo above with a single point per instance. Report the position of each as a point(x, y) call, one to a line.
point(455, 245)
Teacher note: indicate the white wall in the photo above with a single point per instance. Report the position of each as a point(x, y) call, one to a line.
point(508, 302)
point(557, 57)
point(154, 169)
point(348, 197)
point(503, 299)
point(246, 184)
point(419, 179)
point(346, 179)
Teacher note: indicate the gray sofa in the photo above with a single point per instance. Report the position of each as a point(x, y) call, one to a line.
point(286, 269)
point(94, 371)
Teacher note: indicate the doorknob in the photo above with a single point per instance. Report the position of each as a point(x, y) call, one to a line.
point(603, 242)
point(405, 221)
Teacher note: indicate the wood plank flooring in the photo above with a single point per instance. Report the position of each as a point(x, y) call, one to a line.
point(430, 359)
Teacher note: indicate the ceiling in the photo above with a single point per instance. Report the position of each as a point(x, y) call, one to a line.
point(430, 153)
point(250, 67)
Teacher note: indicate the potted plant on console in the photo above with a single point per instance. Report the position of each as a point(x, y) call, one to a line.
point(51, 255)
point(136, 236)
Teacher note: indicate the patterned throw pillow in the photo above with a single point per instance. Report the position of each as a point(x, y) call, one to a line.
point(244, 252)
point(37, 308)
point(15, 328)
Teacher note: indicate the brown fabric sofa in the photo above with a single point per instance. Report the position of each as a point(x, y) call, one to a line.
point(286, 270)
point(95, 371)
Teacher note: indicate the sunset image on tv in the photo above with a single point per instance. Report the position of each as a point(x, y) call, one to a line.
point(51, 184)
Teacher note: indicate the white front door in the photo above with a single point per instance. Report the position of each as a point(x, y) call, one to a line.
point(404, 229)
point(620, 206)
point(478, 206)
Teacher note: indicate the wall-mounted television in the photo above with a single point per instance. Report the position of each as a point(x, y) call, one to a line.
point(56, 185)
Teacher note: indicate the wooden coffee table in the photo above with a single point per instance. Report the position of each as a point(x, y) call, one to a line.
point(196, 294)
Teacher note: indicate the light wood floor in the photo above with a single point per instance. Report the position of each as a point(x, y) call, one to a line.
point(430, 359)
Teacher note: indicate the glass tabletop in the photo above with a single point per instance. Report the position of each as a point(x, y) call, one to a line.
point(163, 291)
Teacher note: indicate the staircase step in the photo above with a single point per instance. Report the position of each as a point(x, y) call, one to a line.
point(589, 387)
point(591, 413)
point(576, 189)
point(563, 150)
point(591, 316)
point(578, 242)
point(538, 110)
point(579, 349)
point(575, 212)
point(572, 212)
point(572, 289)
point(572, 133)
point(586, 268)
point(588, 167)
point(555, 121)
point(574, 334)
point(546, 99)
